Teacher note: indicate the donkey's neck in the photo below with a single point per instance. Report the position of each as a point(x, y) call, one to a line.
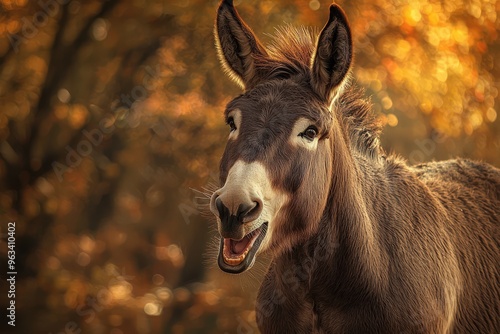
point(349, 218)
point(345, 256)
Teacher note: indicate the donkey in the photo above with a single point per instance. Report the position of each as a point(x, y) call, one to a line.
point(360, 241)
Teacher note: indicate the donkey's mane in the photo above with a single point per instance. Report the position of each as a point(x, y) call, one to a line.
point(293, 47)
point(360, 121)
point(291, 51)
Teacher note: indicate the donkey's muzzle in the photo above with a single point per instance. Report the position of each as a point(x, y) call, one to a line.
point(232, 222)
point(240, 226)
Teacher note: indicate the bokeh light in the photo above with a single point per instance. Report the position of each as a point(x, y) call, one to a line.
point(112, 114)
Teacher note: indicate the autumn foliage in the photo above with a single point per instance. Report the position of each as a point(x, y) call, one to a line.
point(111, 113)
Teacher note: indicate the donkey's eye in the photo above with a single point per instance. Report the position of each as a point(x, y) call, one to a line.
point(230, 122)
point(310, 133)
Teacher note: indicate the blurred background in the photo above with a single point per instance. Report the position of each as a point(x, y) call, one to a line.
point(111, 114)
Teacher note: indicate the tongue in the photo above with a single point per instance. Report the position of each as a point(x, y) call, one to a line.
point(239, 246)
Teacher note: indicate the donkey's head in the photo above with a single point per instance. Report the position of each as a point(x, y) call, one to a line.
point(277, 166)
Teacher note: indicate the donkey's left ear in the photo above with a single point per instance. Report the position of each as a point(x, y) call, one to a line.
point(333, 56)
point(238, 47)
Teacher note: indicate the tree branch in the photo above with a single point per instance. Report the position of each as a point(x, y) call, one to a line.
point(62, 58)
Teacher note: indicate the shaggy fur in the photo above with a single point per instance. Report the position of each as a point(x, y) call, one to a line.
point(367, 243)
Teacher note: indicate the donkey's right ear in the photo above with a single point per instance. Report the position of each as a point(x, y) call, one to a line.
point(237, 46)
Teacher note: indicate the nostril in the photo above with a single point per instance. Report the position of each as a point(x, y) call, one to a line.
point(243, 210)
point(255, 210)
point(220, 207)
point(247, 213)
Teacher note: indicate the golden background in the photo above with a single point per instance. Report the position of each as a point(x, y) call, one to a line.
point(111, 113)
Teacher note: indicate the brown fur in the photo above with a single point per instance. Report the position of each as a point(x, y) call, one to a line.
point(367, 244)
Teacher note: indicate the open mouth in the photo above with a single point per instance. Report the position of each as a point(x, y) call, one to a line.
point(236, 256)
